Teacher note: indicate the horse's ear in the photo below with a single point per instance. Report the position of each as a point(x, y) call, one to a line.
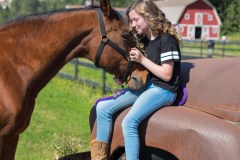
point(106, 7)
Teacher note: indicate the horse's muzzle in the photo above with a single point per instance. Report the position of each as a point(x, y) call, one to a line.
point(136, 83)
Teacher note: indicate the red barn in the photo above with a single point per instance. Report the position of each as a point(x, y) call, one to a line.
point(194, 19)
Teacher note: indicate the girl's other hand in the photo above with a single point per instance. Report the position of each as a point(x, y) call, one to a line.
point(136, 55)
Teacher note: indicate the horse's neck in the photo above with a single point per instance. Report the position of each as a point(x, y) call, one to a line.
point(55, 35)
point(40, 46)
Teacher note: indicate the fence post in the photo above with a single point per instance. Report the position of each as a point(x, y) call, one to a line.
point(211, 44)
point(76, 69)
point(223, 48)
point(103, 82)
point(201, 49)
point(181, 47)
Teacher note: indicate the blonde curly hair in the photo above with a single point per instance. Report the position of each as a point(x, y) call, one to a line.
point(155, 18)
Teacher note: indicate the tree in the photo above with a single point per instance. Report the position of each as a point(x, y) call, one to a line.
point(121, 3)
point(49, 5)
point(229, 13)
point(232, 19)
point(26, 7)
point(4, 14)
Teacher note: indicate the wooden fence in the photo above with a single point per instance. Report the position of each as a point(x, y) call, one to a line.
point(200, 49)
point(75, 76)
point(189, 49)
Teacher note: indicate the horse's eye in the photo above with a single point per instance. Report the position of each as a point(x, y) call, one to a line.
point(125, 36)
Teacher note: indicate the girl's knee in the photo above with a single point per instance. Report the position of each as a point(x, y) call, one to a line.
point(100, 108)
point(129, 124)
point(104, 110)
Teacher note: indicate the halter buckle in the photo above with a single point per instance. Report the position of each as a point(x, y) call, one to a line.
point(104, 39)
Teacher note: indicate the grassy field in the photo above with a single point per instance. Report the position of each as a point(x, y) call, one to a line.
point(60, 119)
point(88, 73)
point(234, 36)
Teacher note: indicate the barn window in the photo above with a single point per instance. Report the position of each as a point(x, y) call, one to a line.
point(187, 16)
point(210, 17)
point(181, 29)
point(215, 30)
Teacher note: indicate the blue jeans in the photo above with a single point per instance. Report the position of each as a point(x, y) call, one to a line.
point(143, 104)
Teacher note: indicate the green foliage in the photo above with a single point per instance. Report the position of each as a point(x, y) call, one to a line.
point(229, 12)
point(120, 3)
point(4, 14)
point(232, 18)
point(25, 7)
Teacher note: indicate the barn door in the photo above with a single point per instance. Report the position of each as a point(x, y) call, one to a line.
point(198, 32)
point(198, 25)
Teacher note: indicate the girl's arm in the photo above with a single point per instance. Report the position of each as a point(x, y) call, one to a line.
point(163, 71)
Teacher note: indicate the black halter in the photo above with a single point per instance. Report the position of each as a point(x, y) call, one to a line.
point(105, 40)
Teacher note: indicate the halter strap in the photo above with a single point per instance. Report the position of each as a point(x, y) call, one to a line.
point(105, 40)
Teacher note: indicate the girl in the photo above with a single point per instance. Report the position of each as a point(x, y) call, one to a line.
point(160, 42)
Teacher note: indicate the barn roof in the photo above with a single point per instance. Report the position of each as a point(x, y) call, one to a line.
point(174, 9)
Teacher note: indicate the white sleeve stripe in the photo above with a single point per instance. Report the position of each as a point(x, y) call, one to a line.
point(169, 54)
point(172, 55)
point(170, 58)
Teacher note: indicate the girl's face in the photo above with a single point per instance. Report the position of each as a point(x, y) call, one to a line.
point(139, 23)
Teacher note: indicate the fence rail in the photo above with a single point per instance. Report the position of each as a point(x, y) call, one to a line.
point(200, 49)
point(77, 62)
point(189, 49)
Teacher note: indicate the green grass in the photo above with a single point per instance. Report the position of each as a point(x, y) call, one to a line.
point(61, 115)
point(234, 36)
point(90, 74)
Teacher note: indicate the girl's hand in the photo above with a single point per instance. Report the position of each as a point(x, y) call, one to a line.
point(136, 55)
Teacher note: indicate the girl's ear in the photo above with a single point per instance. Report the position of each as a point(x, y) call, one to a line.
point(106, 7)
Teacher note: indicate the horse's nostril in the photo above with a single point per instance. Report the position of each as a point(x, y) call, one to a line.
point(136, 79)
point(135, 83)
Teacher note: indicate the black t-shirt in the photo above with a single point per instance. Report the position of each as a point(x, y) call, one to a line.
point(165, 48)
